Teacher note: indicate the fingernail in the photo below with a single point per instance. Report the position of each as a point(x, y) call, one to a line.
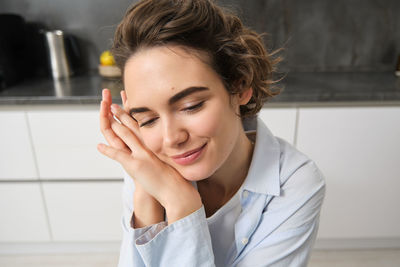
point(113, 108)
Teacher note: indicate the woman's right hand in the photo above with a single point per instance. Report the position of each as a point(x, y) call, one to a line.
point(147, 209)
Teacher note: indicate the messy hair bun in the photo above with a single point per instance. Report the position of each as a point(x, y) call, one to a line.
point(236, 52)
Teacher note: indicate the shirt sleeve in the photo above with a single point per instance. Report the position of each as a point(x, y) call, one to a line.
point(186, 242)
point(129, 256)
point(290, 222)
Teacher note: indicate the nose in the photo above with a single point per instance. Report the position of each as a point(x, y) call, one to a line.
point(174, 134)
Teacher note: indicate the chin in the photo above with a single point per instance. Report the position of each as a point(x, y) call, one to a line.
point(194, 177)
point(197, 173)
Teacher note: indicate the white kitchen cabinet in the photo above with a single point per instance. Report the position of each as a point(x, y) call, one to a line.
point(281, 122)
point(84, 211)
point(16, 154)
point(23, 216)
point(65, 143)
point(357, 149)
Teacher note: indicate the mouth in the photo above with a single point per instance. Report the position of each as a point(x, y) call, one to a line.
point(190, 156)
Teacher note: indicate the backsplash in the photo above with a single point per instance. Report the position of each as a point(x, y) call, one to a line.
point(319, 35)
point(326, 35)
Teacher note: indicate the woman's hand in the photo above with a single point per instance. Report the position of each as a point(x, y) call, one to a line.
point(157, 178)
point(148, 210)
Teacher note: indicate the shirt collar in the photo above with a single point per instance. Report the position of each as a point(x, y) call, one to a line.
point(263, 174)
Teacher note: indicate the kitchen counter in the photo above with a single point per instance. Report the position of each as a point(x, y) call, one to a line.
point(300, 89)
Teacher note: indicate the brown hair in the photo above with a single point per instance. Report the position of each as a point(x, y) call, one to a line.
point(237, 53)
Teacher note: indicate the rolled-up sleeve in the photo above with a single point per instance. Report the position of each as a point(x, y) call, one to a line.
point(129, 256)
point(186, 242)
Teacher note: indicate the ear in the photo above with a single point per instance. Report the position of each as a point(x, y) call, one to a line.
point(245, 96)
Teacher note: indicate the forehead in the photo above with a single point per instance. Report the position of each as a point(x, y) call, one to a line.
point(164, 71)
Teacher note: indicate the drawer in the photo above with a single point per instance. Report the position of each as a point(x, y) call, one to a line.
point(65, 143)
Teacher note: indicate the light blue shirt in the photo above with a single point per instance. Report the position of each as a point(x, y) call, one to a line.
point(220, 225)
point(280, 201)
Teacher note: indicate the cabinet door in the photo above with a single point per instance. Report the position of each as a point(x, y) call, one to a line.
point(16, 154)
point(23, 216)
point(65, 143)
point(357, 149)
point(84, 211)
point(281, 122)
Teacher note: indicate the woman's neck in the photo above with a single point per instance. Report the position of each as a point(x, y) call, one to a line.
point(224, 183)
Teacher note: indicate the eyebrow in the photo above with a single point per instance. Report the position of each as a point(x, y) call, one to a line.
point(182, 94)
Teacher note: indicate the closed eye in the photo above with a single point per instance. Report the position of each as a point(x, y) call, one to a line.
point(194, 107)
point(190, 109)
point(148, 123)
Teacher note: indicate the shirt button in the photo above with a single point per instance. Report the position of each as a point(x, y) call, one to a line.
point(244, 240)
point(245, 194)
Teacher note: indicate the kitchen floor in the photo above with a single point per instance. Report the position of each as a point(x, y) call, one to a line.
point(319, 258)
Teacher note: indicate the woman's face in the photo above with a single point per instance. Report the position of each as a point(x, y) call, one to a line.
point(183, 110)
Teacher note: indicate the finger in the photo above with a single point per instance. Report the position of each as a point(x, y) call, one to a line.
point(125, 101)
point(124, 98)
point(105, 103)
point(127, 136)
point(107, 95)
point(106, 130)
point(115, 154)
point(126, 119)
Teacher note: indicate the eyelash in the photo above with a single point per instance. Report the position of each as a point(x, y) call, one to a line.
point(191, 109)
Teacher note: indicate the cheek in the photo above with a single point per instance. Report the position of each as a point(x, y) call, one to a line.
point(215, 121)
point(206, 123)
point(152, 139)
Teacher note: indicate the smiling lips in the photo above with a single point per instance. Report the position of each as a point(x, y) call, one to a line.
point(190, 156)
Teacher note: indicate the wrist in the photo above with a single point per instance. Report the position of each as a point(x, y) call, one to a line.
point(147, 213)
point(141, 195)
point(181, 207)
point(147, 210)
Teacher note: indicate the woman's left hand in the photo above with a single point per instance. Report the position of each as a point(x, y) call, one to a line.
point(162, 181)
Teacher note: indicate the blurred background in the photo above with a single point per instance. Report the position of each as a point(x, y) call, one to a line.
point(340, 105)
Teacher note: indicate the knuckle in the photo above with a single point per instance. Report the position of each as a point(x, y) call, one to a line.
point(115, 126)
point(114, 155)
point(131, 126)
point(108, 132)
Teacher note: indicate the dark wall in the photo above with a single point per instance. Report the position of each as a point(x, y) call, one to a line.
point(329, 35)
point(92, 21)
point(319, 35)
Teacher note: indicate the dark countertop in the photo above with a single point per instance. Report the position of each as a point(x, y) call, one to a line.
point(299, 88)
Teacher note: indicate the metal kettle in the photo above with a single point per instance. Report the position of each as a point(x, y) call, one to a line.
point(59, 54)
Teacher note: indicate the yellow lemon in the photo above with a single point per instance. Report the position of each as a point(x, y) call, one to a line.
point(107, 59)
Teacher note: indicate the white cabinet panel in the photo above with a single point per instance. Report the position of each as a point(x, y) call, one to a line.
point(358, 151)
point(23, 217)
point(16, 155)
point(84, 211)
point(281, 122)
point(65, 144)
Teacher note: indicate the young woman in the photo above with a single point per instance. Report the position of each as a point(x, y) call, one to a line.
point(198, 190)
